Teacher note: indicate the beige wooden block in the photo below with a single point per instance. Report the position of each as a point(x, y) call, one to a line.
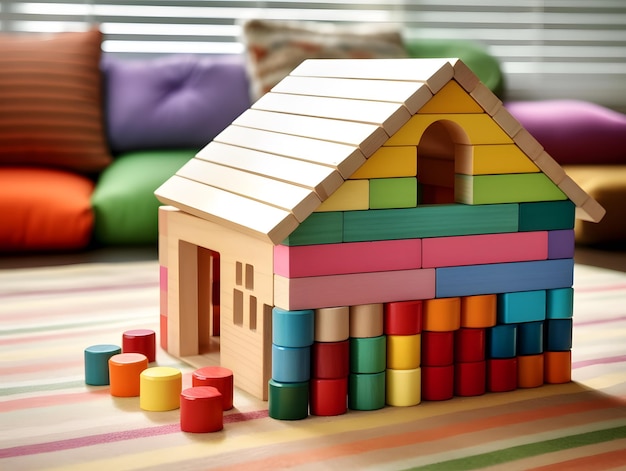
point(412, 94)
point(344, 158)
point(574, 192)
point(464, 75)
point(293, 198)
point(451, 99)
point(389, 162)
point(366, 320)
point(590, 211)
point(550, 167)
point(332, 324)
point(353, 195)
point(492, 159)
point(506, 121)
point(486, 98)
point(468, 128)
point(434, 72)
point(389, 116)
point(529, 145)
point(242, 214)
point(322, 179)
point(367, 137)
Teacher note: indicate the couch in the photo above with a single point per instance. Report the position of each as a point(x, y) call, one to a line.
point(80, 162)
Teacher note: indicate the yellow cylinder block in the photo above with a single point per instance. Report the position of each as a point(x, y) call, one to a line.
point(403, 387)
point(403, 351)
point(160, 388)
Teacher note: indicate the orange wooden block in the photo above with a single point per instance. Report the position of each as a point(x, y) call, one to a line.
point(530, 371)
point(366, 320)
point(557, 367)
point(442, 314)
point(125, 372)
point(479, 311)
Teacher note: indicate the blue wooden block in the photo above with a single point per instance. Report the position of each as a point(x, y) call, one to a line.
point(293, 328)
point(502, 341)
point(530, 338)
point(560, 303)
point(521, 306)
point(504, 277)
point(291, 365)
point(558, 335)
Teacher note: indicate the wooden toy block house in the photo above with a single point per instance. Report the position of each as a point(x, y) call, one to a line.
point(368, 199)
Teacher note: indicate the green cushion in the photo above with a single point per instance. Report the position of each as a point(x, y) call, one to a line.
point(124, 204)
point(475, 56)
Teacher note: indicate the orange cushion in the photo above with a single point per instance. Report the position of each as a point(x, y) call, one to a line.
point(51, 101)
point(44, 209)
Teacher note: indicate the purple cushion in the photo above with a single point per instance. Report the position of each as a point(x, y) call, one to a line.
point(174, 101)
point(573, 131)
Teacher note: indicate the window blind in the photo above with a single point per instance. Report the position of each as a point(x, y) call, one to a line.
point(547, 48)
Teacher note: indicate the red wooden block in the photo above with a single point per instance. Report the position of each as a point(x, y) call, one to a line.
point(437, 383)
point(140, 341)
point(218, 377)
point(201, 410)
point(329, 396)
point(469, 345)
point(330, 360)
point(403, 318)
point(501, 374)
point(470, 379)
point(437, 348)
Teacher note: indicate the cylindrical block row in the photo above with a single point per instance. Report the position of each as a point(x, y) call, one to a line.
point(558, 335)
point(437, 383)
point(404, 387)
point(201, 410)
point(288, 401)
point(97, 363)
point(502, 341)
point(437, 348)
point(403, 318)
point(403, 352)
point(530, 338)
point(557, 367)
point(501, 374)
point(218, 377)
point(291, 365)
point(366, 391)
point(366, 320)
point(160, 388)
point(330, 360)
point(368, 355)
point(530, 371)
point(124, 373)
point(470, 379)
point(140, 341)
point(292, 328)
point(332, 324)
point(469, 345)
point(329, 396)
point(560, 303)
point(441, 314)
point(479, 311)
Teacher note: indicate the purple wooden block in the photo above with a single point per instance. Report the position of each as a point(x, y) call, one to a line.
point(561, 244)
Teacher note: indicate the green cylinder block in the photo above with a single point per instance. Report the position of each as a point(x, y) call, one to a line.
point(368, 355)
point(288, 401)
point(366, 391)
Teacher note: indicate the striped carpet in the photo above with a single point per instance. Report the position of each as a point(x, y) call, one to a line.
point(51, 420)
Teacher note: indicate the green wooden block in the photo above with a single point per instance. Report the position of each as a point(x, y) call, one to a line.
point(366, 391)
point(318, 228)
point(368, 354)
point(288, 401)
point(506, 188)
point(429, 221)
point(393, 193)
point(547, 216)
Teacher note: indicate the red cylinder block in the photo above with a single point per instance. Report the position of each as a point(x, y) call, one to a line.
point(218, 377)
point(403, 318)
point(328, 396)
point(140, 341)
point(437, 348)
point(501, 374)
point(201, 410)
point(469, 345)
point(470, 379)
point(437, 382)
point(330, 360)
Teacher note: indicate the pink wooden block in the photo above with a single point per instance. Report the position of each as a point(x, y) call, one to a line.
point(483, 249)
point(352, 257)
point(349, 290)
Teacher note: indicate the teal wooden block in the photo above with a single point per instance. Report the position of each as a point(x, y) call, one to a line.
point(530, 338)
point(504, 277)
point(292, 328)
point(560, 303)
point(96, 359)
point(521, 306)
point(368, 354)
point(506, 188)
point(502, 341)
point(429, 221)
point(291, 365)
point(318, 228)
point(393, 193)
point(366, 391)
point(547, 216)
point(558, 335)
point(288, 401)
